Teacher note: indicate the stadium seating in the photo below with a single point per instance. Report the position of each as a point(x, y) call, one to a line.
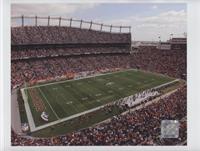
point(168, 62)
point(40, 53)
point(28, 53)
point(64, 35)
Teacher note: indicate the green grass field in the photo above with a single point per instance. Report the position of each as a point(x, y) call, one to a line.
point(64, 99)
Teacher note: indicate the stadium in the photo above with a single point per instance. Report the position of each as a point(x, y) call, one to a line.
point(88, 85)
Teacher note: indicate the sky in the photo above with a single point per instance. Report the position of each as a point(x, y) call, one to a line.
point(148, 21)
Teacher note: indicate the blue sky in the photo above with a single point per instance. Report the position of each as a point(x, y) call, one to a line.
point(113, 11)
point(148, 20)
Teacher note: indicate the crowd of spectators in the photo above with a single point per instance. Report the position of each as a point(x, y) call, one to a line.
point(64, 35)
point(41, 69)
point(36, 63)
point(28, 53)
point(141, 127)
point(168, 62)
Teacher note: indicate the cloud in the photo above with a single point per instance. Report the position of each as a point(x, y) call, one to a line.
point(45, 10)
point(150, 27)
point(154, 7)
point(49, 9)
point(143, 27)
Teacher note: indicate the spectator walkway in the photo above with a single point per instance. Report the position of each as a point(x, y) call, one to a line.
point(15, 116)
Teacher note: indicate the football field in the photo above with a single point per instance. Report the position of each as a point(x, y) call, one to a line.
point(67, 98)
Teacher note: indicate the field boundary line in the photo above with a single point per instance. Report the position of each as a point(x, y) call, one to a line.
point(28, 111)
point(48, 103)
point(87, 77)
point(67, 118)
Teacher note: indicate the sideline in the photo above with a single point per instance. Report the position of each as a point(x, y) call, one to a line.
point(28, 111)
point(97, 75)
point(87, 77)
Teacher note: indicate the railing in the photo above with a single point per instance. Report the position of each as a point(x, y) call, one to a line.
point(59, 21)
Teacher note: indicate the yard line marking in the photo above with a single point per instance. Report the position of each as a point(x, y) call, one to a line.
point(85, 98)
point(100, 80)
point(63, 97)
point(121, 88)
point(110, 91)
point(109, 83)
point(98, 94)
point(48, 103)
point(68, 102)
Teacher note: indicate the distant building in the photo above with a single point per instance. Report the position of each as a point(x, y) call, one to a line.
point(144, 43)
point(164, 45)
point(178, 43)
point(174, 43)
